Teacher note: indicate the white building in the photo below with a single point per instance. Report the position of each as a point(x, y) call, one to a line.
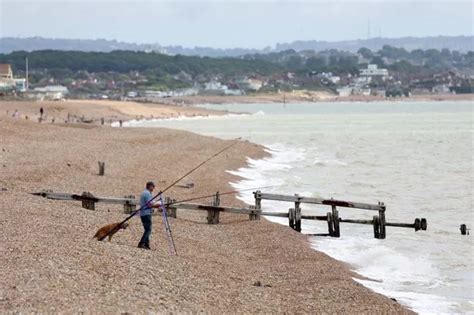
point(186, 92)
point(334, 79)
point(157, 94)
point(8, 82)
point(373, 71)
point(132, 94)
point(249, 84)
point(234, 92)
point(344, 91)
point(51, 92)
point(214, 86)
point(217, 87)
point(6, 71)
point(441, 89)
point(20, 84)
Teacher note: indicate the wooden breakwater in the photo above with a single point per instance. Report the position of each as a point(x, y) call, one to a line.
point(294, 214)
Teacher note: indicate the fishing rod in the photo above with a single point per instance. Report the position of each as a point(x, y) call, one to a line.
point(167, 188)
point(220, 194)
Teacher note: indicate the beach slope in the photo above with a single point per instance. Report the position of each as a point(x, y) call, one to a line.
point(51, 264)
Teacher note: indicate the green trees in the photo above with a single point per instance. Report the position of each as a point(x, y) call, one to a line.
point(126, 61)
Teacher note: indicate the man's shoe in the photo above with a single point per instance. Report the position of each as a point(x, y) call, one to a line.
point(146, 246)
point(142, 246)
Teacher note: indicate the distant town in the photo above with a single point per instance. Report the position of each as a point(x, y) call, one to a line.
point(151, 76)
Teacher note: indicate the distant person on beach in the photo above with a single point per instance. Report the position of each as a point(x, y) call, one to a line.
point(16, 114)
point(145, 214)
point(41, 112)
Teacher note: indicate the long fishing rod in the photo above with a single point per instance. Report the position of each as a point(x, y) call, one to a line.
point(220, 194)
point(167, 188)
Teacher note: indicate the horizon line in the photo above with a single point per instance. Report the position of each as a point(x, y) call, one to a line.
point(230, 48)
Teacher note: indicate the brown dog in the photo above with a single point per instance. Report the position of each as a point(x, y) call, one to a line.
point(103, 231)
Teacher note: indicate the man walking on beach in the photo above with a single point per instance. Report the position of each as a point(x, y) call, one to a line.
point(145, 214)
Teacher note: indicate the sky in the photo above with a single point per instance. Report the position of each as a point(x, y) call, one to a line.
point(238, 23)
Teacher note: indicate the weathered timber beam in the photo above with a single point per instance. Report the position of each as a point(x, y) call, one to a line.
point(64, 196)
point(192, 206)
point(314, 217)
point(404, 225)
point(320, 201)
point(275, 214)
point(370, 222)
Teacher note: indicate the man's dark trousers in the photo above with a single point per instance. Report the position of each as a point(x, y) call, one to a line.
point(146, 221)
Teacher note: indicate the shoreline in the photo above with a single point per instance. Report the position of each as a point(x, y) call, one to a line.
point(107, 112)
point(92, 111)
point(309, 97)
point(61, 266)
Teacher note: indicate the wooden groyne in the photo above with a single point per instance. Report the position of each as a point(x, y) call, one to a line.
point(332, 218)
point(89, 200)
point(294, 214)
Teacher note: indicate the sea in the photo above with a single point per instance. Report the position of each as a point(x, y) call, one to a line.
point(416, 157)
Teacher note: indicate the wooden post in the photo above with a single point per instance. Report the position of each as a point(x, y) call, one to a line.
point(330, 224)
point(128, 207)
point(382, 221)
point(172, 211)
point(335, 222)
point(101, 168)
point(297, 215)
point(376, 224)
point(217, 200)
point(258, 206)
point(291, 218)
point(212, 215)
point(88, 204)
point(298, 219)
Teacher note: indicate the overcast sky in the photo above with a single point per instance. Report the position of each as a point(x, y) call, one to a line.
point(225, 24)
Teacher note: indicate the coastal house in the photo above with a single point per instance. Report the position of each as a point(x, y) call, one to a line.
point(234, 92)
point(157, 94)
point(8, 82)
point(441, 89)
point(186, 92)
point(325, 77)
point(132, 94)
point(20, 84)
point(49, 92)
point(214, 86)
point(362, 90)
point(344, 91)
point(249, 84)
point(373, 71)
point(6, 71)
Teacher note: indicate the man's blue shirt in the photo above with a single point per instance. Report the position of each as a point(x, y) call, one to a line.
point(144, 199)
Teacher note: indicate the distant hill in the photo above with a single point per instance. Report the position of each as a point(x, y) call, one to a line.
point(459, 43)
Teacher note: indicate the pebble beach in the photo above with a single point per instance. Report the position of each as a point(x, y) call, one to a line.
point(51, 264)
